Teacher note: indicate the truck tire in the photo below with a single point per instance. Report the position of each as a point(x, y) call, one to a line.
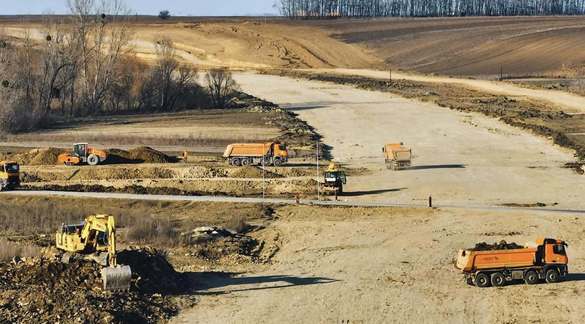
point(236, 162)
point(277, 162)
point(93, 159)
point(497, 279)
point(531, 277)
point(245, 162)
point(482, 280)
point(552, 276)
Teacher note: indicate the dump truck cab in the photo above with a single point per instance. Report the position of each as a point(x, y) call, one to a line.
point(280, 151)
point(9, 175)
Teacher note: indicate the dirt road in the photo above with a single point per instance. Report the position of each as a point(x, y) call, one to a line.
point(570, 103)
point(460, 158)
point(342, 265)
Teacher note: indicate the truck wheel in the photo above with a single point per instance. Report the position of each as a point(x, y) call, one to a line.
point(236, 162)
point(93, 159)
point(482, 280)
point(531, 277)
point(498, 279)
point(552, 276)
point(245, 162)
point(277, 162)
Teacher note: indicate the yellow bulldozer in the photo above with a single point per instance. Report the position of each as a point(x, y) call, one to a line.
point(95, 240)
point(9, 175)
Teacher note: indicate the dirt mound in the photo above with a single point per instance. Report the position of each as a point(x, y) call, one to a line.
point(502, 245)
point(132, 189)
point(253, 172)
point(49, 291)
point(141, 154)
point(46, 156)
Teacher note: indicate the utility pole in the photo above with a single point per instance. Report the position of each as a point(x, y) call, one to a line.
point(263, 179)
point(318, 183)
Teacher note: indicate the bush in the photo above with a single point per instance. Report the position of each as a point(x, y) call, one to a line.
point(164, 15)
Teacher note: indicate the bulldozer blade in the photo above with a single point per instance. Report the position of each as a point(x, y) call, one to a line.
point(117, 278)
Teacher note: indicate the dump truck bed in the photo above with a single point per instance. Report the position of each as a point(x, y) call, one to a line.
point(247, 149)
point(470, 260)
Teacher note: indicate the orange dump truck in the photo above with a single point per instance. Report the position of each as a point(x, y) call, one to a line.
point(241, 154)
point(397, 156)
point(494, 266)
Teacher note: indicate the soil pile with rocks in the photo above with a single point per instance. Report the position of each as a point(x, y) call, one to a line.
point(49, 291)
point(213, 243)
point(502, 245)
point(253, 172)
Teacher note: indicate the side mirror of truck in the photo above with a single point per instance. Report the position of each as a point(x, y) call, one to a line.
point(383, 149)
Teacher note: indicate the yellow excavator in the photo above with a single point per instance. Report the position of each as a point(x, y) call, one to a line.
point(95, 239)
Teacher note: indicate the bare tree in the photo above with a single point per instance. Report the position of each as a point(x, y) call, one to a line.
point(221, 86)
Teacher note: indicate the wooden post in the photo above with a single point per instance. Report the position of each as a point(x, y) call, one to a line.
point(430, 201)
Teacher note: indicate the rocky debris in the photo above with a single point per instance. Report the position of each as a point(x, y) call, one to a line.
point(213, 243)
point(578, 167)
point(48, 291)
point(502, 245)
point(253, 172)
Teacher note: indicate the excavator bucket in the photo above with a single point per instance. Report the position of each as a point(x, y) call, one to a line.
point(117, 278)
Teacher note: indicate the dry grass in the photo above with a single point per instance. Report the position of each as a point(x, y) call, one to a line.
point(9, 250)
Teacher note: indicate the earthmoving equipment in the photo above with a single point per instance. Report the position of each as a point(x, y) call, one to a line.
point(242, 154)
point(335, 178)
point(9, 175)
point(95, 240)
point(397, 156)
point(83, 153)
point(486, 265)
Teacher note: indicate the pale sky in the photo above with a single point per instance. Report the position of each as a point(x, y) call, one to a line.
point(151, 7)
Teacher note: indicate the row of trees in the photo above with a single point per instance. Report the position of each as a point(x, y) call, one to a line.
point(428, 8)
point(84, 65)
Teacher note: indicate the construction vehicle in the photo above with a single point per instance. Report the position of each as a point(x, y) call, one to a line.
point(242, 154)
point(334, 178)
point(397, 156)
point(95, 240)
point(9, 175)
point(494, 267)
point(83, 153)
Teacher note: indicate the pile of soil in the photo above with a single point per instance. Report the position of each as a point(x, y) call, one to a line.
point(48, 291)
point(252, 172)
point(502, 245)
point(214, 244)
point(143, 154)
point(46, 156)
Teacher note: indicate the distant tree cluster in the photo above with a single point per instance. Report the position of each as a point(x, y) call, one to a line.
point(84, 64)
point(428, 8)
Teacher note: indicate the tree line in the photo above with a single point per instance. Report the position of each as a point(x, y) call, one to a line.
point(83, 64)
point(428, 8)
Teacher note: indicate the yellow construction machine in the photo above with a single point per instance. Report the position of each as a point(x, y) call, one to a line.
point(334, 178)
point(9, 175)
point(95, 239)
point(83, 153)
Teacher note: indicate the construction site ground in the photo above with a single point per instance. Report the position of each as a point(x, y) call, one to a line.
point(329, 264)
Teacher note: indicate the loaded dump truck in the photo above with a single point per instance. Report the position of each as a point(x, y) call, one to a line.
point(242, 154)
point(495, 265)
point(397, 156)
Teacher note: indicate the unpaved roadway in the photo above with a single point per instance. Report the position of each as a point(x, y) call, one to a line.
point(392, 266)
point(460, 158)
point(570, 103)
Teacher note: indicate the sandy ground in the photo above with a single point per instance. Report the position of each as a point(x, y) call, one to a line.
point(460, 158)
point(392, 265)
